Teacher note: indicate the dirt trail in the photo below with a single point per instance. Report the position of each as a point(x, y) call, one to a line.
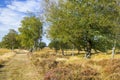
point(19, 68)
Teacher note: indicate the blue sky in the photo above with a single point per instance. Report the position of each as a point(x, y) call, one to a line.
point(13, 11)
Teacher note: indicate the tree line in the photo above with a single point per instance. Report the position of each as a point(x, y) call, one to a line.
point(79, 24)
point(85, 24)
point(29, 35)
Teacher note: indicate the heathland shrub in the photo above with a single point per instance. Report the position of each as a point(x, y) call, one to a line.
point(106, 62)
point(55, 67)
point(88, 73)
point(110, 69)
point(72, 72)
point(103, 62)
point(45, 64)
point(58, 74)
point(113, 66)
point(114, 76)
point(44, 55)
point(48, 55)
point(91, 62)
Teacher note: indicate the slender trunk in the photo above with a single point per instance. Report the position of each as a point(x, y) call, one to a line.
point(12, 48)
point(113, 49)
point(88, 49)
point(95, 51)
point(56, 51)
point(73, 51)
point(62, 51)
point(34, 46)
point(40, 43)
point(78, 51)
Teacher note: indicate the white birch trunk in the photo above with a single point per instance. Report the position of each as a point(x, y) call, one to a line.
point(113, 49)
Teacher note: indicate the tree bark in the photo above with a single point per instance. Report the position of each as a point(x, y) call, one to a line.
point(78, 51)
point(56, 51)
point(62, 51)
point(113, 49)
point(88, 49)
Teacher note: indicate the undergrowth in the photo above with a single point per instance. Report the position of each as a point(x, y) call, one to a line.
point(58, 67)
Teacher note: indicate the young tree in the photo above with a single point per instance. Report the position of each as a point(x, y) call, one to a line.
point(54, 44)
point(10, 41)
point(42, 45)
point(31, 32)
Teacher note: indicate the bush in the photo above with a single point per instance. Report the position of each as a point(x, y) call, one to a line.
point(43, 55)
point(114, 76)
point(91, 62)
point(113, 66)
point(45, 64)
point(103, 62)
point(3, 51)
point(58, 74)
point(72, 72)
point(89, 73)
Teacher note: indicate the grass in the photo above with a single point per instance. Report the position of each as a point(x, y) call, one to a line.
point(19, 68)
point(5, 55)
point(101, 64)
point(3, 51)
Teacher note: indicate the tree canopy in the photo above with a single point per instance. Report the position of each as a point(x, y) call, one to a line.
point(31, 32)
point(87, 24)
point(10, 40)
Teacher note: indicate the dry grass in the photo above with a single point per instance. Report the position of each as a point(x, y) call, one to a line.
point(19, 68)
point(5, 55)
point(3, 51)
point(100, 64)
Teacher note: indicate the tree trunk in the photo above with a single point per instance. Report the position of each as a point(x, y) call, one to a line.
point(78, 51)
point(62, 51)
point(56, 51)
point(88, 49)
point(113, 49)
point(12, 48)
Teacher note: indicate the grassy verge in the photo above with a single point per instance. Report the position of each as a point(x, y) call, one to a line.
point(3, 51)
point(5, 55)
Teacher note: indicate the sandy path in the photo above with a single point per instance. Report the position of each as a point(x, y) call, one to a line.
point(19, 68)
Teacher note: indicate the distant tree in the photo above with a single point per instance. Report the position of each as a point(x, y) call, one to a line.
point(54, 44)
point(0, 44)
point(42, 45)
point(31, 32)
point(10, 41)
point(59, 45)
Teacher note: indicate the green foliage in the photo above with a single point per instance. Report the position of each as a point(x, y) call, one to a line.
point(57, 45)
point(30, 32)
point(54, 44)
point(85, 24)
point(0, 44)
point(10, 40)
point(42, 45)
point(102, 44)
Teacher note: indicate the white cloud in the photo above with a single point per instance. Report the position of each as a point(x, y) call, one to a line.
point(13, 13)
point(29, 5)
point(9, 17)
